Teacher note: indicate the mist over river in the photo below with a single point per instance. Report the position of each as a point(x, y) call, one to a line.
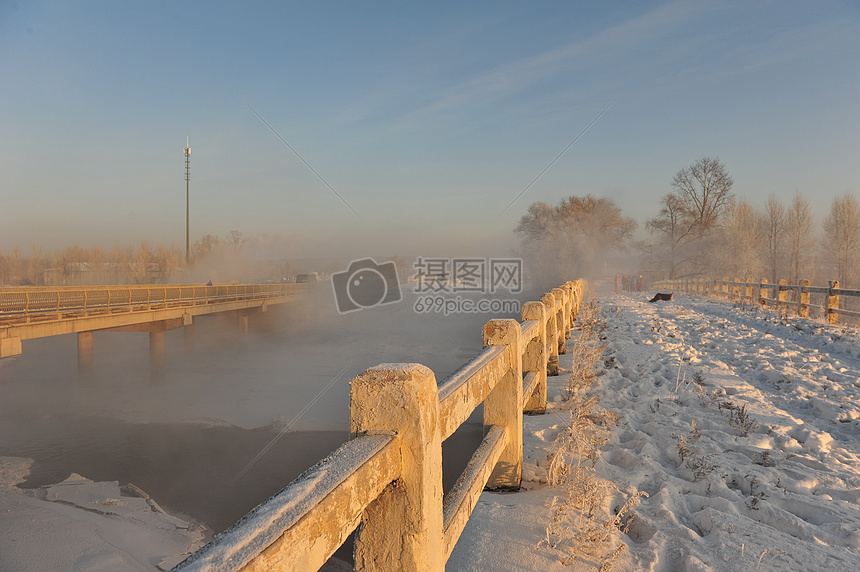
point(187, 441)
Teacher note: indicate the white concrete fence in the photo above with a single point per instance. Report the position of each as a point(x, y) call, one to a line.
point(764, 293)
point(387, 480)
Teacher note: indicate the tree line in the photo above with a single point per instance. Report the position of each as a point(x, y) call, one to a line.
point(702, 230)
point(142, 263)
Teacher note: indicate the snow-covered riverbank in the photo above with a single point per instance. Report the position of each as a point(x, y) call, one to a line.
point(742, 426)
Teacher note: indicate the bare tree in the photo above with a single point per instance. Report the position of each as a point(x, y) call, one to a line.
point(139, 263)
point(705, 191)
point(569, 238)
point(800, 238)
point(676, 231)
point(740, 254)
point(689, 217)
point(774, 229)
point(841, 239)
point(235, 240)
point(207, 244)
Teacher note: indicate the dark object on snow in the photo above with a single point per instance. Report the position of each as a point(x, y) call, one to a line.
point(661, 297)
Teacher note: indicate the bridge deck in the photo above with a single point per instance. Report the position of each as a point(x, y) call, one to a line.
point(27, 313)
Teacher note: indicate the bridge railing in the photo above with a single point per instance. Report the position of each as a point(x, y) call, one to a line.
point(388, 477)
point(771, 294)
point(33, 301)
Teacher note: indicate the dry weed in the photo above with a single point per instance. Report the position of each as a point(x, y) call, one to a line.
point(581, 522)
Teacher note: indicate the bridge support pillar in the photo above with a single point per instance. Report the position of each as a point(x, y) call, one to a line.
point(157, 364)
point(188, 336)
point(10, 347)
point(85, 355)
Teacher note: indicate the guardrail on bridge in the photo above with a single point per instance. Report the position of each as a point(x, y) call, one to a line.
point(388, 477)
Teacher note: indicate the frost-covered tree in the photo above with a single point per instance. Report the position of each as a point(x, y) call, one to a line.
point(773, 228)
point(740, 252)
point(569, 239)
point(841, 240)
point(800, 239)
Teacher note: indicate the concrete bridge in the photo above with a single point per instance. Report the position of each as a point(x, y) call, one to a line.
point(29, 313)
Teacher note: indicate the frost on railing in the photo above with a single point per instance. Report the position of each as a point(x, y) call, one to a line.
point(405, 523)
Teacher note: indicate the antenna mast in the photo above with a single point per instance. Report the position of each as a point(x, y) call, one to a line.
point(187, 202)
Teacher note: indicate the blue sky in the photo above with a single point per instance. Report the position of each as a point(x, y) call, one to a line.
point(427, 118)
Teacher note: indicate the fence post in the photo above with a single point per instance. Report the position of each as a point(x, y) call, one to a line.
point(572, 308)
point(402, 528)
point(803, 299)
point(503, 405)
point(549, 302)
point(534, 356)
point(762, 292)
point(748, 291)
point(782, 296)
point(832, 303)
point(561, 320)
point(736, 289)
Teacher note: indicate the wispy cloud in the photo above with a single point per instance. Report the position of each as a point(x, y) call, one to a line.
point(514, 77)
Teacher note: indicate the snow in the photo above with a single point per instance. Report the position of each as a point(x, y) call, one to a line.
point(768, 405)
point(780, 486)
point(79, 525)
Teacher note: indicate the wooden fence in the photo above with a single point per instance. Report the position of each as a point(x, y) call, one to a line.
point(781, 295)
point(388, 477)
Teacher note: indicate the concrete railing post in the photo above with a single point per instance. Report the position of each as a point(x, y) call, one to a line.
point(548, 300)
point(832, 303)
point(576, 300)
point(803, 299)
point(402, 528)
point(569, 312)
point(503, 405)
point(762, 292)
point(535, 357)
point(561, 319)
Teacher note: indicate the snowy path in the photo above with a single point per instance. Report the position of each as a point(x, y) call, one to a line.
point(790, 487)
point(742, 426)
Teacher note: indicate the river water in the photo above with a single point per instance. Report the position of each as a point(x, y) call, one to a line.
point(192, 437)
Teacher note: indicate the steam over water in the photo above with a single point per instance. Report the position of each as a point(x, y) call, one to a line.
point(185, 442)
